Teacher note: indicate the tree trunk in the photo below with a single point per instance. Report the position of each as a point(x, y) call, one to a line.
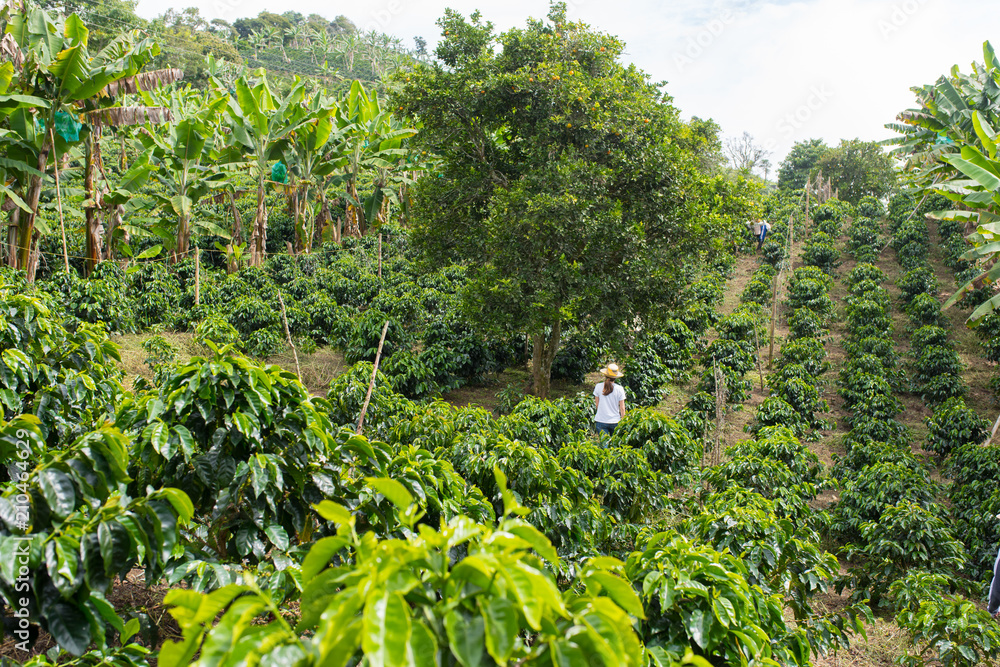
point(27, 230)
point(237, 222)
point(258, 239)
point(543, 354)
point(114, 223)
point(183, 238)
point(12, 226)
point(93, 227)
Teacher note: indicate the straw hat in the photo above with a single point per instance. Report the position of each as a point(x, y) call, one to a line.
point(612, 371)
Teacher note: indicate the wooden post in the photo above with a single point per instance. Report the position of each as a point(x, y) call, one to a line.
point(720, 410)
point(288, 335)
point(760, 368)
point(62, 224)
point(380, 256)
point(197, 275)
point(996, 425)
point(774, 316)
point(808, 187)
point(371, 385)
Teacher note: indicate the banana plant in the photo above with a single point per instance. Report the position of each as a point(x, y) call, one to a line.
point(314, 149)
point(377, 146)
point(187, 158)
point(54, 64)
point(257, 120)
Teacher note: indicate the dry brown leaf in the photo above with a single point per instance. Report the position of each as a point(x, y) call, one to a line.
point(119, 116)
point(143, 81)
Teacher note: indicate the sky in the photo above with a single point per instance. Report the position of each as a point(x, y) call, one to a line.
point(782, 70)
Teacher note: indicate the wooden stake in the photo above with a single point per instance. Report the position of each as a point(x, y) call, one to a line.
point(808, 187)
point(62, 225)
point(288, 336)
point(371, 385)
point(197, 276)
point(774, 316)
point(996, 425)
point(760, 369)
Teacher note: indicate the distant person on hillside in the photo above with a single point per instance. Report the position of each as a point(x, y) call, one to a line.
point(763, 227)
point(609, 400)
point(994, 601)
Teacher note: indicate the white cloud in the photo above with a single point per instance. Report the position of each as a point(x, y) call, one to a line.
point(784, 71)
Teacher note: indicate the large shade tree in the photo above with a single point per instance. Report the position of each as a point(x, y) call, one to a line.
point(798, 165)
point(858, 169)
point(562, 184)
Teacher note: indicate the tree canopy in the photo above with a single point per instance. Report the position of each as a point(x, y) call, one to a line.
point(564, 179)
point(797, 166)
point(859, 168)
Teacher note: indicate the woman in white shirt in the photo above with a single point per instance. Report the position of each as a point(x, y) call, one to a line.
point(609, 400)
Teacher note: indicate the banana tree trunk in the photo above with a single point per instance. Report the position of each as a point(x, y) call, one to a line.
point(12, 227)
point(114, 222)
point(183, 237)
point(258, 239)
point(352, 226)
point(93, 210)
point(26, 231)
point(544, 353)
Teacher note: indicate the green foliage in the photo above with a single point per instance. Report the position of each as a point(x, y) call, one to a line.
point(495, 602)
point(917, 281)
point(668, 446)
point(237, 438)
point(698, 598)
point(905, 538)
point(865, 272)
point(100, 298)
point(216, 330)
point(859, 169)
point(821, 253)
point(953, 631)
point(953, 425)
point(624, 481)
point(65, 375)
point(781, 556)
point(806, 323)
point(937, 374)
point(806, 352)
point(82, 528)
point(924, 310)
point(875, 488)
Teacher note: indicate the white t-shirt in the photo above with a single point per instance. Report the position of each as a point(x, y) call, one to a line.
point(607, 406)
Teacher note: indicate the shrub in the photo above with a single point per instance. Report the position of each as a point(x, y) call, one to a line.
point(216, 329)
point(822, 255)
point(667, 444)
point(364, 341)
point(154, 292)
point(623, 480)
point(882, 349)
point(865, 452)
point(952, 630)
point(916, 281)
point(807, 352)
point(775, 411)
point(937, 374)
point(807, 292)
point(805, 323)
point(868, 395)
point(872, 291)
point(743, 324)
point(681, 582)
point(865, 272)
point(869, 207)
point(804, 398)
point(699, 317)
point(646, 376)
point(866, 318)
point(953, 425)
point(913, 255)
point(924, 310)
point(907, 537)
point(780, 556)
point(874, 489)
point(774, 253)
point(758, 290)
point(780, 444)
point(927, 336)
point(100, 298)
